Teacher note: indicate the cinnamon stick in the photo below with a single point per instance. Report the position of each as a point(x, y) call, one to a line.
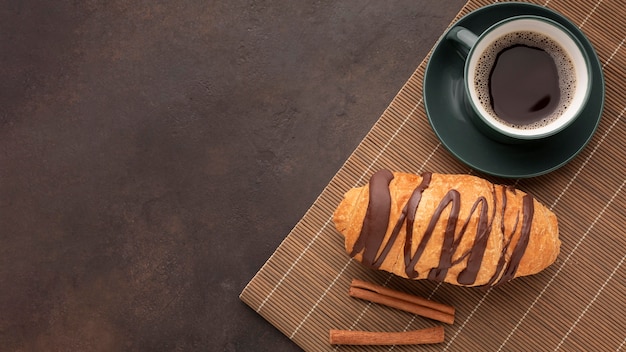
point(403, 296)
point(415, 337)
point(398, 300)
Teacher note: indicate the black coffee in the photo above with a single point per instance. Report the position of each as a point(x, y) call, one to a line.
point(524, 85)
point(525, 80)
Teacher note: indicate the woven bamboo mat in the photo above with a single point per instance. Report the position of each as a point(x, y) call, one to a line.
point(577, 304)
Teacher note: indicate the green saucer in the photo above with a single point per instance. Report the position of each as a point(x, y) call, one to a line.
point(444, 102)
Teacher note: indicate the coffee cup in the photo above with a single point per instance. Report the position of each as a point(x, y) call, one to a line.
point(526, 77)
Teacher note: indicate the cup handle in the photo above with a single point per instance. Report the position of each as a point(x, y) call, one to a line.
point(465, 39)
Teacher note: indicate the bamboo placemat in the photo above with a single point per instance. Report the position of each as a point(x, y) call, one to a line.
point(577, 304)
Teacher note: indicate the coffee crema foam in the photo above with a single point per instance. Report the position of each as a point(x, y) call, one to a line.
point(564, 65)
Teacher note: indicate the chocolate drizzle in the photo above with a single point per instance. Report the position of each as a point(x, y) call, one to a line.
point(505, 246)
point(528, 212)
point(376, 222)
point(468, 275)
point(376, 218)
point(412, 206)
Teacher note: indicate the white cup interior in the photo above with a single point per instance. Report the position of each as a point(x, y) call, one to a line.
point(553, 31)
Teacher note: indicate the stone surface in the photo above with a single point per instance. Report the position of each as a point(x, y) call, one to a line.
point(155, 154)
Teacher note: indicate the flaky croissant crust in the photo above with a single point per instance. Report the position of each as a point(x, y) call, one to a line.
point(466, 231)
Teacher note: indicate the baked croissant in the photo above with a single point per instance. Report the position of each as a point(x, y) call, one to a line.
point(459, 229)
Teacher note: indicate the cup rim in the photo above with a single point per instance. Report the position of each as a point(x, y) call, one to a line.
point(540, 132)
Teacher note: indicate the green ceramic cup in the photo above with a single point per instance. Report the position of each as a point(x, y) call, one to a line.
point(570, 57)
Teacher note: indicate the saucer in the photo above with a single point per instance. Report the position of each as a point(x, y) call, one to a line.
point(444, 96)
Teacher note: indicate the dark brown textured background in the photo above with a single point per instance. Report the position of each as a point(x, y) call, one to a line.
point(154, 154)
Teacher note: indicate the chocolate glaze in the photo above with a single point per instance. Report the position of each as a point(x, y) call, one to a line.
point(376, 222)
point(408, 213)
point(376, 218)
point(505, 246)
point(468, 275)
point(528, 212)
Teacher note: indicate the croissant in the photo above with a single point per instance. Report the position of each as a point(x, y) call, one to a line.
point(458, 229)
